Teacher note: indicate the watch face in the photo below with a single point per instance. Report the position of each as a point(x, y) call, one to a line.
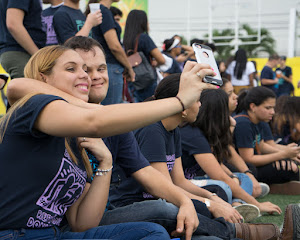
point(207, 203)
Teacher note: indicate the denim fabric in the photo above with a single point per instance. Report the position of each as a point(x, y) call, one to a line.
point(246, 184)
point(115, 89)
point(206, 181)
point(132, 231)
point(164, 213)
point(141, 95)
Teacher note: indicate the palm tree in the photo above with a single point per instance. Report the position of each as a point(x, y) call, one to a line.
point(267, 43)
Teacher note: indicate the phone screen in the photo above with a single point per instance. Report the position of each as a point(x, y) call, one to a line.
point(204, 54)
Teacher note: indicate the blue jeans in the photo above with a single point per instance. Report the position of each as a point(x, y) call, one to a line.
point(133, 231)
point(246, 184)
point(164, 213)
point(206, 181)
point(141, 95)
point(115, 89)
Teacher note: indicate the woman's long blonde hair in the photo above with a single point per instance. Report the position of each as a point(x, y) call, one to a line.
point(42, 62)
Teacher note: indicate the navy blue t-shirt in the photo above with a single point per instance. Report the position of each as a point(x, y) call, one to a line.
point(108, 22)
point(268, 73)
point(159, 145)
point(266, 131)
point(38, 179)
point(146, 45)
point(127, 159)
point(67, 22)
point(32, 22)
point(285, 88)
point(193, 142)
point(47, 20)
point(246, 134)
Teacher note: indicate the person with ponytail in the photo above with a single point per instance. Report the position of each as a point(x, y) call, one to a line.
point(241, 72)
point(160, 143)
point(274, 166)
point(207, 144)
point(52, 182)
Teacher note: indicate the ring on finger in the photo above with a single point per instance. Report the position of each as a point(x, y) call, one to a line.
point(199, 74)
point(83, 139)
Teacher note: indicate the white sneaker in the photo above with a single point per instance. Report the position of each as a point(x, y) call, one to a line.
point(265, 189)
point(248, 211)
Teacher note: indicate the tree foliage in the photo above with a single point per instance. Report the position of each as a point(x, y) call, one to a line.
point(266, 45)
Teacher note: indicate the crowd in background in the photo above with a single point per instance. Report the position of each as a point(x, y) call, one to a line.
point(182, 158)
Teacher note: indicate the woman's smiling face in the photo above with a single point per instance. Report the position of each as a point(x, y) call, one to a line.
point(69, 75)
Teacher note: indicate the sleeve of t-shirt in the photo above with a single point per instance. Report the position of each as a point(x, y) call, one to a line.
point(266, 73)
point(107, 20)
point(152, 143)
point(129, 156)
point(146, 44)
point(63, 26)
point(243, 135)
point(194, 142)
point(26, 116)
point(23, 5)
point(250, 68)
point(289, 72)
point(266, 131)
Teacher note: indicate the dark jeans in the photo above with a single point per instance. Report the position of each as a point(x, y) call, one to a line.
point(164, 213)
point(270, 174)
point(132, 231)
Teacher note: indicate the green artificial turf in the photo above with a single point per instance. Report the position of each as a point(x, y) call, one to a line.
point(282, 201)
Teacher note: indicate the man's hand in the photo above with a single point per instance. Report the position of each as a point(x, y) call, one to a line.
point(228, 213)
point(187, 221)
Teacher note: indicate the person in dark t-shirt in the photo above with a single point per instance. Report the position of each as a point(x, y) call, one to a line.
point(47, 20)
point(69, 21)
point(257, 107)
point(268, 78)
point(21, 34)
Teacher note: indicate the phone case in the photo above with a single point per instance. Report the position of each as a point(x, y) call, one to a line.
point(204, 54)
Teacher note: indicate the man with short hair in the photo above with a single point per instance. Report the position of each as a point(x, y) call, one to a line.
point(267, 76)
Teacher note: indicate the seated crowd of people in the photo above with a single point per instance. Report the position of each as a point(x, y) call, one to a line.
point(183, 159)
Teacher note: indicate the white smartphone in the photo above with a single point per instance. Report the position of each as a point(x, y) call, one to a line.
point(204, 54)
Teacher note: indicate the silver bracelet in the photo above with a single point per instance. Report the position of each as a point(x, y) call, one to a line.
point(213, 194)
point(101, 172)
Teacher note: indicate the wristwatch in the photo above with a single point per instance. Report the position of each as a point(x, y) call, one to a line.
point(207, 202)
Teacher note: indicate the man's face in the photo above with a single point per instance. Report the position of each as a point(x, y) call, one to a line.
point(97, 71)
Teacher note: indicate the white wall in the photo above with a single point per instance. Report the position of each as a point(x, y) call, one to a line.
point(170, 16)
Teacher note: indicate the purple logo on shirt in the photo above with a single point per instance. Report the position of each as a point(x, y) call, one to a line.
point(170, 161)
point(64, 189)
point(49, 29)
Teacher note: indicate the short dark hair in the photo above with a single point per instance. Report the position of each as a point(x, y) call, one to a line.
point(274, 57)
point(83, 43)
point(283, 58)
point(116, 11)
